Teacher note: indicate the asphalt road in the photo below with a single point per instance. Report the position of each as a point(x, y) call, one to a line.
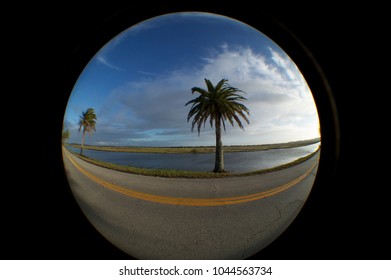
point(172, 218)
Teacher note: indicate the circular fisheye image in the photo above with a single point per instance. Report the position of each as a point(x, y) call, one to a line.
point(191, 136)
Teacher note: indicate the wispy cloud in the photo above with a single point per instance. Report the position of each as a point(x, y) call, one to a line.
point(147, 73)
point(102, 59)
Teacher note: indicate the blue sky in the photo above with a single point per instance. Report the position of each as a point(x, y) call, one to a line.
point(140, 81)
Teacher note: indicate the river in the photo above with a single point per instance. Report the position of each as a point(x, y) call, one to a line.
point(237, 162)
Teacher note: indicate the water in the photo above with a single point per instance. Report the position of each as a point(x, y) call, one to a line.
point(235, 162)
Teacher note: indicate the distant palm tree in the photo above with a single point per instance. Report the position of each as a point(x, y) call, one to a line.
point(219, 103)
point(87, 121)
point(65, 135)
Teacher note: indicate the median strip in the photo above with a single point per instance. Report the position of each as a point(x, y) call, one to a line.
point(191, 201)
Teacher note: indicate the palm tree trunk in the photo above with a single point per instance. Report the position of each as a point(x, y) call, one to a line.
point(82, 143)
point(219, 158)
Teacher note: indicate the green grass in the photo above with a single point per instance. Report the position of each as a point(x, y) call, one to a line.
point(199, 149)
point(169, 173)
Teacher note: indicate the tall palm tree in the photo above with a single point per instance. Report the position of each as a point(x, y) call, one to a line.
point(219, 103)
point(87, 121)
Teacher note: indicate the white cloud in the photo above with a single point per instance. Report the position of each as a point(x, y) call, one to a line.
point(280, 102)
point(274, 85)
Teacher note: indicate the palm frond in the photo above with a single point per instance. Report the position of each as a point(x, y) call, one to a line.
point(87, 121)
point(218, 104)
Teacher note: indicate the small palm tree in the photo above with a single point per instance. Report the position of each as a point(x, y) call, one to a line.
point(87, 121)
point(219, 103)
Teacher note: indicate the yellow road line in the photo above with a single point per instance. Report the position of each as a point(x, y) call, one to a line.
point(192, 201)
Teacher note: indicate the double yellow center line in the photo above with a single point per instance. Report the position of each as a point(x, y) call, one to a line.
point(187, 201)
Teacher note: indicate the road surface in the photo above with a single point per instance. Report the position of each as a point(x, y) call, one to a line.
point(176, 218)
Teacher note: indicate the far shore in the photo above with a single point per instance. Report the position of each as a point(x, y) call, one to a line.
point(197, 149)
